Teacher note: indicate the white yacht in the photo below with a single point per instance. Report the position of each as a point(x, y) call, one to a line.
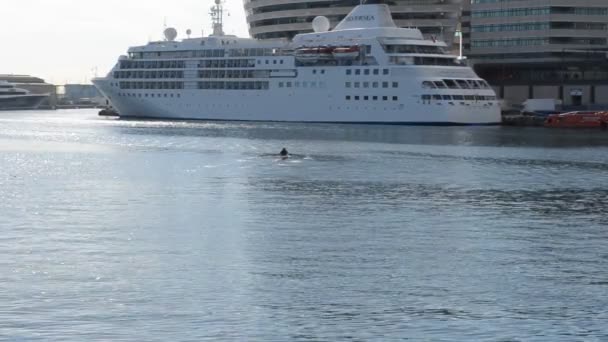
point(365, 70)
point(12, 98)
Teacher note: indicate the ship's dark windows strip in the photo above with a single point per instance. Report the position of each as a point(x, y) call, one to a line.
point(131, 64)
point(436, 50)
point(148, 74)
point(151, 85)
point(234, 73)
point(244, 85)
point(227, 63)
point(12, 93)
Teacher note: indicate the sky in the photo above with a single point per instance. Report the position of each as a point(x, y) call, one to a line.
point(69, 41)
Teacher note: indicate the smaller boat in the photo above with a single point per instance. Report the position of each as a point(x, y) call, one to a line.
point(578, 120)
point(313, 54)
point(346, 52)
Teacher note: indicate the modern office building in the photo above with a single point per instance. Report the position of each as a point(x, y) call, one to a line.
point(540, 48)
point(269, 19)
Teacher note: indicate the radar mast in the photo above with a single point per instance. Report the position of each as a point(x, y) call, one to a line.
point(217, 18)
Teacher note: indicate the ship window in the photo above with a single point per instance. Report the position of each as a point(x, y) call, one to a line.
point(395, 98)
point(323, 71)
point(348, 84)
point(366, 98)
point(266, 62)
point(274, 62)
point(357, 98)
point(436, 97)
point(280, 84)
point(314, 71)
point(458, 97)
point(440, 84)
point(281, 61)
point(348, 71)
point(305, 84)
point(358, 72)
point(384, 71)
point(469, 97)
point(376, 71)
point(428, 84)
point(395, 84)
point(365, 84)
point(426, 97)
point(366, 72)
point(384, 84)
point(179, 95)
point(348, 97)
point(375, 98)
point(384, 98)
point(451, 84)
point(463, 84)
point(288, 84)
point(171, 95)
point(375, 85)
point(447, 97)
point(313, 84)
point(297, 84)
point(357, 84)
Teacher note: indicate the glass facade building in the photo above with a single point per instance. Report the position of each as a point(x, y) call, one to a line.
point(269, 19)
point(540, 48)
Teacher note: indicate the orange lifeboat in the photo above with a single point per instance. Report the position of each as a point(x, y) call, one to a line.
point(578, 120)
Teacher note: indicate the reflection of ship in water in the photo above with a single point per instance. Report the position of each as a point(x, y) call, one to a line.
point(12, 98)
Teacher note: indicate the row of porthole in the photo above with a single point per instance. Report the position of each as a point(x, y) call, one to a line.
point(366, 72)
point(370, 84)
point(372, 98)
point(149, 95)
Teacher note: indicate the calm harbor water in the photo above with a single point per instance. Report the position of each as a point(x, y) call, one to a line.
point(122, 230)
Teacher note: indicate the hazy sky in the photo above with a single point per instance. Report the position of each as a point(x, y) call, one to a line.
point(64, 40)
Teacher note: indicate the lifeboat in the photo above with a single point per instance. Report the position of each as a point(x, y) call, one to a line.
point(578, 120)
point(313, 54)
point(347, 52)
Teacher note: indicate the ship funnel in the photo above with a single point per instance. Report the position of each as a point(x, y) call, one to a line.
point(372, 14)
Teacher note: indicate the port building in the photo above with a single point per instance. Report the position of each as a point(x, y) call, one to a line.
point(540, 49)
point(271, 19)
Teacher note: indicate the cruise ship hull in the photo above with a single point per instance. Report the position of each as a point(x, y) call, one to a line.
point(388, 106)
point(21, 102)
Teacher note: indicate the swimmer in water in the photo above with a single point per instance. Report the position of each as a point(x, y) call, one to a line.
point(284, 153)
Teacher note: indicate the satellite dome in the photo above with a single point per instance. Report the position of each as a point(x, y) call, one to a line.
point(320, 24)
point(170, 34)
point(189, 32)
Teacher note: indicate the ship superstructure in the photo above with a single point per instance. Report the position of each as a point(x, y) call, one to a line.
point(13, 98)
point(366, 70)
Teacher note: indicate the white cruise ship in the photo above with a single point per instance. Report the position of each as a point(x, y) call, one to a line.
point(366, 70)
point(13, 98)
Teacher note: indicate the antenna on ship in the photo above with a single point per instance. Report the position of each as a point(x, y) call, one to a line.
point(217, 18)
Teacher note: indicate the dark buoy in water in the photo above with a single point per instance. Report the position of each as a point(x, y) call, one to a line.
point(284, 153)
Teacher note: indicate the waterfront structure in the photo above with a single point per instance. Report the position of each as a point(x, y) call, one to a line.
point(284, 19)
point(35, 86)
point(366, 70)
point(12, 98)
point(541, 49)
point(82, 94)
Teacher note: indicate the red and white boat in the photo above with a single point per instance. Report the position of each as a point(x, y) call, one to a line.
point(578, 120)
point(313, 54)
point(346, 52)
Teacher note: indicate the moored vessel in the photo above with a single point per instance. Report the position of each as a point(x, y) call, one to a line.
point(366, 70)
point(13, 98)
point(579, 119)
